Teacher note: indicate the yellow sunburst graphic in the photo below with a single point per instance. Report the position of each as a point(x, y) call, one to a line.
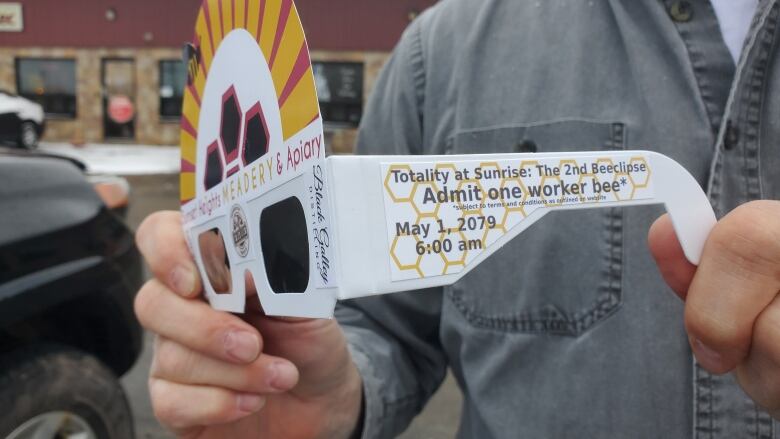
point(276, 27)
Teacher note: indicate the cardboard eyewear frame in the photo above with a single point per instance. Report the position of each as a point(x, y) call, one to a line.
point(354, 220)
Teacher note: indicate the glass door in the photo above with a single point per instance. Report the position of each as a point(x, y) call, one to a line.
point(119, 108)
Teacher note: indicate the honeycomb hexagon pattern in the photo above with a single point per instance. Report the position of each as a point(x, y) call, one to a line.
point(243, 135)
point(442, 225)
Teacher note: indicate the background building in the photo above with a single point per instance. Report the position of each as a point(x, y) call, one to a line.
point(110, 71)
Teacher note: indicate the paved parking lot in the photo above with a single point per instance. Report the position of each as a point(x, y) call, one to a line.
point(157, 192)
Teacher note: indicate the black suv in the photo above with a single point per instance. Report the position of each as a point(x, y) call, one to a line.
point(69, 271)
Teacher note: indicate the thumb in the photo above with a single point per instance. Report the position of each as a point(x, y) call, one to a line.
point(675, 268)
point(317, 347)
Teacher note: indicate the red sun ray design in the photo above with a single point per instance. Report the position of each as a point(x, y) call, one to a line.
point(281, 42)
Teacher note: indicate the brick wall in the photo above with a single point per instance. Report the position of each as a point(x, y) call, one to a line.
point(149, 128)
point(88, 124)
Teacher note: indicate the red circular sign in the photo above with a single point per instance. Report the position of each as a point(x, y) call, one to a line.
point(120, 109)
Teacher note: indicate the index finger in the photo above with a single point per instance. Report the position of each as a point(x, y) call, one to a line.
point(196, 325)
point(669, 256)
point(161, 240)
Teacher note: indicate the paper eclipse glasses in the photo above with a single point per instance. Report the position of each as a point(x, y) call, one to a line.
point(259, 197)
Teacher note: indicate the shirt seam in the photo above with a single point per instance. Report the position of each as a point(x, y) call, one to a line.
point(714, 180)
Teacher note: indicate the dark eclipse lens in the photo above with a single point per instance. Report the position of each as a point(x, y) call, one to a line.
point(285, 243)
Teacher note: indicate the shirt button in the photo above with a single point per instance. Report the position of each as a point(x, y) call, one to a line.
point(681, 11)
point(526, 146)
point(730, 137)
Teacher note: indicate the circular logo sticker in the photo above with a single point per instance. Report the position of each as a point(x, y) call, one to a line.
point(240, 231)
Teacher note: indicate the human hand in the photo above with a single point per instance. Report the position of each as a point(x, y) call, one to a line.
point(213, 252)
point(732, 314)
point(215, 374)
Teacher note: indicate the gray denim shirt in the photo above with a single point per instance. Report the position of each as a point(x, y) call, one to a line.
point(568, 331)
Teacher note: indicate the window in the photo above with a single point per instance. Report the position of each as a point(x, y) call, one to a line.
point(49, 82)
point(340, 91)
point(173, 76)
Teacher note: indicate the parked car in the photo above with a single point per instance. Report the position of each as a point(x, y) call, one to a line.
point(69, 271)
point(21, 120)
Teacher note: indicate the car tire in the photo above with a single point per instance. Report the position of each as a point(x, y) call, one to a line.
point(71, 392)
point(28, 135)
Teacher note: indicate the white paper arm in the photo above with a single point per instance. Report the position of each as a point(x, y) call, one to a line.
point(375, 227)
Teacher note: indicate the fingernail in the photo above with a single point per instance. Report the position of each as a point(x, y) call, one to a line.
point(243, 346)
point(250, 403)
point(183, 280)
point(707, 356)
point(282, 375)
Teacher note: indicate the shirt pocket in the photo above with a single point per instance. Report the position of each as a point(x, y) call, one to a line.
point(564, 273)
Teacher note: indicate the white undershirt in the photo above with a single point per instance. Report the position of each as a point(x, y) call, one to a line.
point(734, 17)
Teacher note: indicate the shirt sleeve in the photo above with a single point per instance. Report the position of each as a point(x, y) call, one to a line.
point(394, 339)
point(394, 342)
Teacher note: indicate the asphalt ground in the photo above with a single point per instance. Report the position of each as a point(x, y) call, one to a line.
point(150, 193)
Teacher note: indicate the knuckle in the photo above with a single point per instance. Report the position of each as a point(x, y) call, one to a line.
point(174, 361)
point(164, 405)
point(168, 413)
point(766, 332)
point(216, 329)
point(146, 224)
point(748, 239)
point(168, 255)
point(714, 331)
point(215, 332)
point(769, 323)
point(176, 412)
point(145, 231)
point(146, 301)
point(217, 326)
point(159, 226)
point(162, 411)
